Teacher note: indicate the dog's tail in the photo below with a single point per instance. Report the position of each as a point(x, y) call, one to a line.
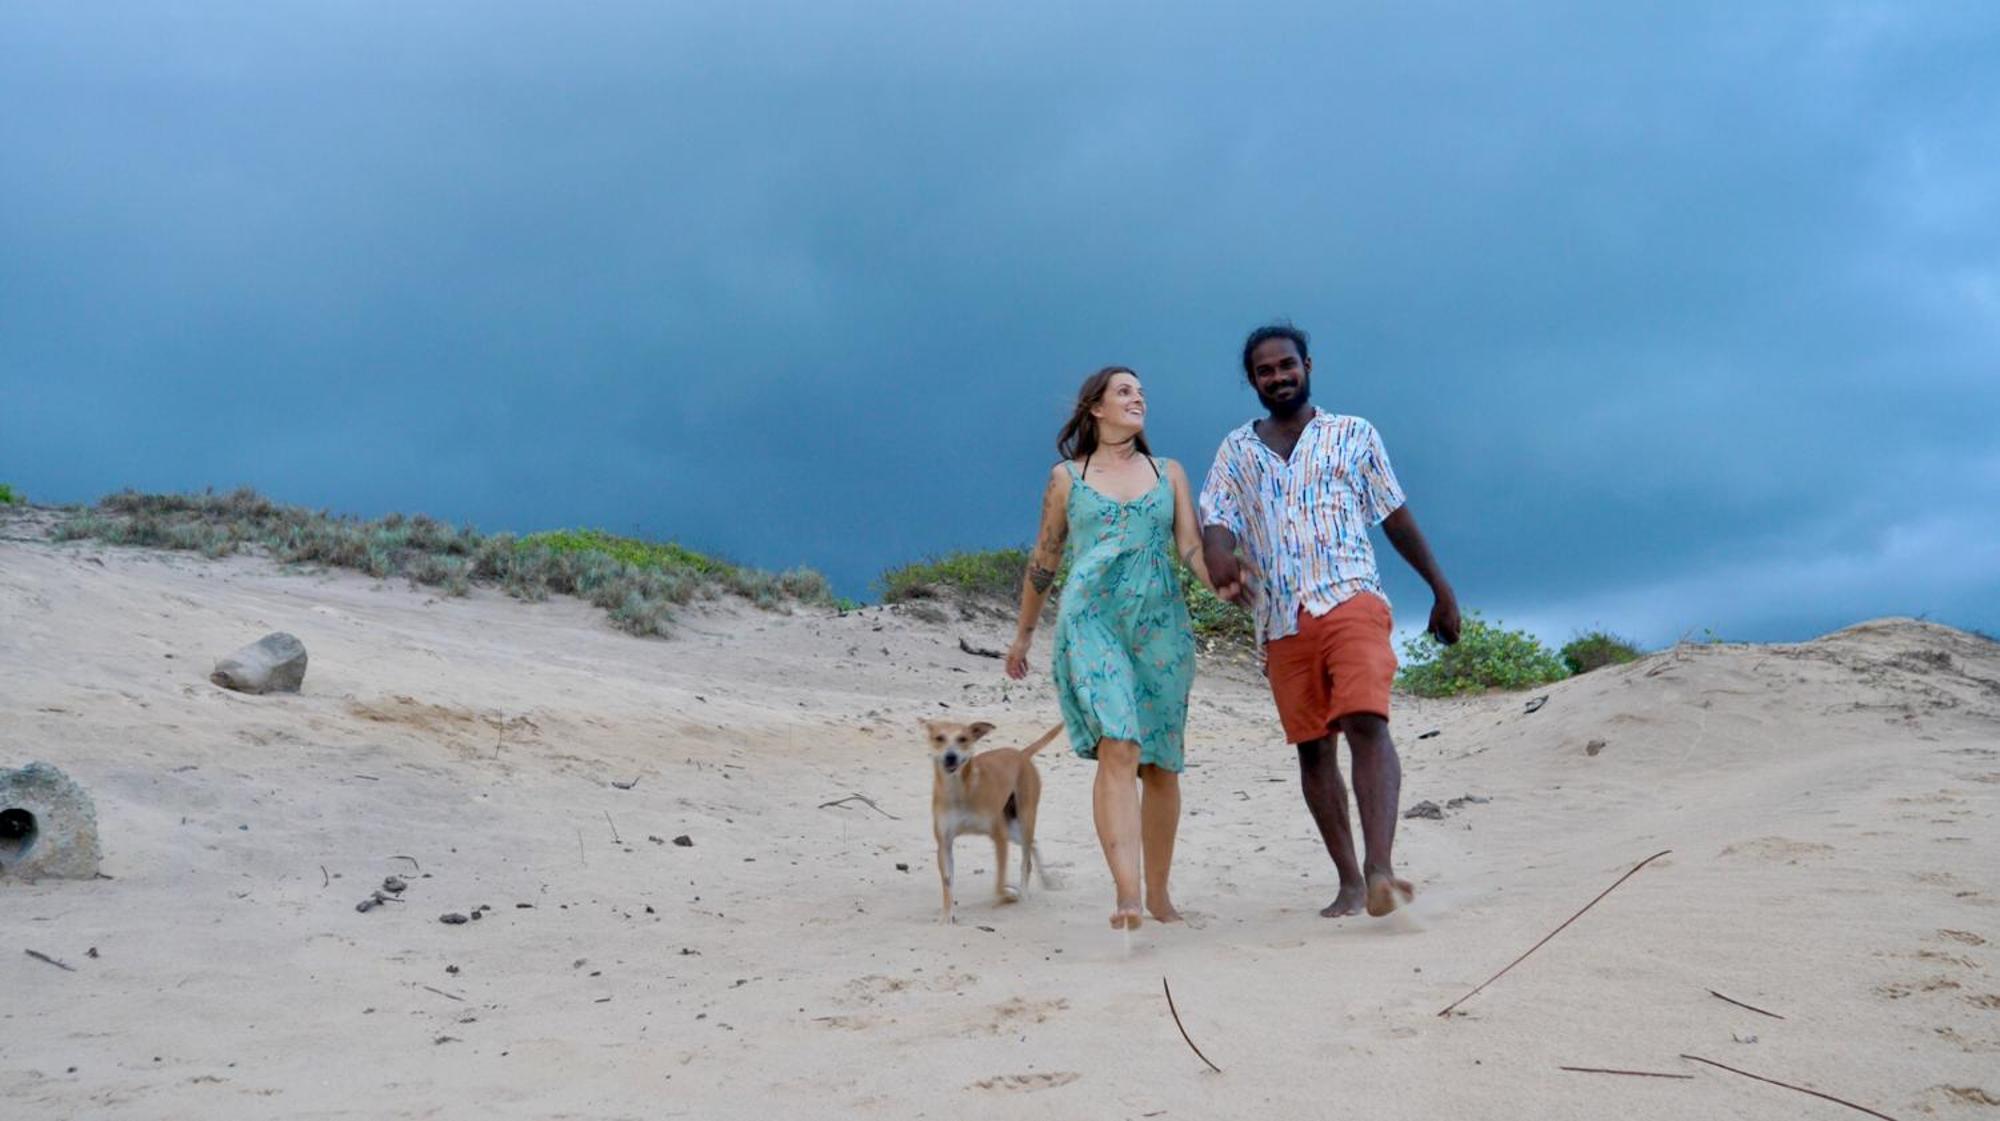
point(1039, 744)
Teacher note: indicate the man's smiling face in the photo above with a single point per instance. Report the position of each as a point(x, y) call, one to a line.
point(1282, 379)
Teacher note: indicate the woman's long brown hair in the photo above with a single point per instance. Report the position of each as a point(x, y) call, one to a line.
point(1078, 438)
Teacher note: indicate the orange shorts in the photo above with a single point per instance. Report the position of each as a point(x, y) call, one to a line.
point(1337, 664)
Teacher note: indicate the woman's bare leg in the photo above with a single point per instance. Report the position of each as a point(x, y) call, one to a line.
point(1115, 805)
point(1159, 820)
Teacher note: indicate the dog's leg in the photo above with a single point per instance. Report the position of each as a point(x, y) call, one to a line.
point(1030, 791)
point(945, 873)
point(1000, 891)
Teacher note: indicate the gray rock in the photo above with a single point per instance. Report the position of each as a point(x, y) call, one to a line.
point(48, 826)
point(1425, 809)
point(275, 663)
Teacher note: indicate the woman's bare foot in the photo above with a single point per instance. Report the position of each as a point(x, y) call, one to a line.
point(1126, 917)
point(1386, 893)
point(1161, 908)
point(1348, 902)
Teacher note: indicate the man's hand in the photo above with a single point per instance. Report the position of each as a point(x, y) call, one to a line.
point(1444, 618)
point(1228, 580)
point(1017, 655)
point(1218, 553)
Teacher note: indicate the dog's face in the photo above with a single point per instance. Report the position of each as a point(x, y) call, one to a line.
point(951, 744)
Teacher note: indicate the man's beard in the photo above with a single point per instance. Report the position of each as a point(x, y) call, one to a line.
point(1291, 406)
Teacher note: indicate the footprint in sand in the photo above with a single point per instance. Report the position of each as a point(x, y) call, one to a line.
point(1897, 990)
point(875, 986)
point(1778, 849)
point(1012, 1014)
point(1968, 1045)
point(1939, 957)
point(1956, 1095)
point(847, 1023)
point(1013, 1082)
point(1964, 936)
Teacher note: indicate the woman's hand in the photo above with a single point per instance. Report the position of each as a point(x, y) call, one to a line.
point(1017, 656)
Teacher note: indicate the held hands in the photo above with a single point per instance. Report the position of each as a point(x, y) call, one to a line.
point(1017, 656)
point(1226, 575)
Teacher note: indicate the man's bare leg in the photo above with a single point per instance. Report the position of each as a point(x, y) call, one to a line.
point(1326, 797)
point(1378, 786)
point(1160, 819)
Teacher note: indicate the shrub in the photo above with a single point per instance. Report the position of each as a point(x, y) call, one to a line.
point(991, 574)
point(1597, 649)
point(1485, 657)
point(9, 496)
point(636, 582)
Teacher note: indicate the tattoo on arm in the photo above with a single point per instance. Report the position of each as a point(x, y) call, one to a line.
point(1041, 577)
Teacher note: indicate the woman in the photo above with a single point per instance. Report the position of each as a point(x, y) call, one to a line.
point(1124, 650)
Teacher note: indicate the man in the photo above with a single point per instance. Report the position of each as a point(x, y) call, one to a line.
point(1298, 490)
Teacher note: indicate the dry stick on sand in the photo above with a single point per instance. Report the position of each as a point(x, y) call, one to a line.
point(1740, 1004)
point(615, 838)
point(1789, 1086)
point(1633, 1073)
point(981, 651)
point(864, 800)
point(40, 956)
point(324, 879)
point(1551, 934)
point(1164, 987)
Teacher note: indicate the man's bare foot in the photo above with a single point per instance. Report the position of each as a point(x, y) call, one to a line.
point(1384, 891)
point(1126, 917)
point(1161, 908)
point(1348, 902)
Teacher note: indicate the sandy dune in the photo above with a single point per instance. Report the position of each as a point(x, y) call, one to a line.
point(1831, 809)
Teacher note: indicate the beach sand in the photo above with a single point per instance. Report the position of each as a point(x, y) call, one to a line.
point(1830, 808)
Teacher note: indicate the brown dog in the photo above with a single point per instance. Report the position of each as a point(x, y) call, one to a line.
point(994, 792)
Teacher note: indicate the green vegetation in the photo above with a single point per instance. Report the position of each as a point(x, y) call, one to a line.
point(1485, 657)
point(638, 583)
point(1214, 619)
point(988, 574)
point(996, 574)
point(9, 496)
point(1597, 649)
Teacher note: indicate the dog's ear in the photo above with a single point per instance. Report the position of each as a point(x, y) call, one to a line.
point(981, 730)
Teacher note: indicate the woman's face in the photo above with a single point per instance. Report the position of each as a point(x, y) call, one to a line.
point(1123, 405)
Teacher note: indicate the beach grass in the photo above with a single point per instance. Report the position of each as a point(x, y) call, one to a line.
point(1597, 649)
point(637, 582)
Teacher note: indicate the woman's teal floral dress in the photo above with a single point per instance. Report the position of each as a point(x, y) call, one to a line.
point(1124, 650)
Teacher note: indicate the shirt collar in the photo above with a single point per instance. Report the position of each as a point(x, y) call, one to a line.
point(1249, 429)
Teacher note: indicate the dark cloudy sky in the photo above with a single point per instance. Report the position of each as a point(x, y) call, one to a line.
point(1672, 319)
